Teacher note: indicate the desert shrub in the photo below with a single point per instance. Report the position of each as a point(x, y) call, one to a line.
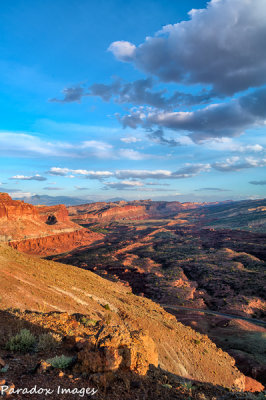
point(107, 307)
point(88, 322)
point(23, 342)
point(60, 362)
point(48, 342)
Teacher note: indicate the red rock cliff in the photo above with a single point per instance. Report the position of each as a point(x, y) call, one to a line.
point(56, 244)
point(13, 209)
point(39, 229)
point(59, 211)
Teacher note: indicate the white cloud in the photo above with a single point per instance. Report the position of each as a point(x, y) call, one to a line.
point(143, 174)
point(187, 171)
point(130, 139)
point(133, 154)
point(19, 194)
point(36, 177)
point(222, 45)
point(29, 145)
point(236, 164)
point(256, 148)
point(124, 185)
point(87, 173)
point(123, 50)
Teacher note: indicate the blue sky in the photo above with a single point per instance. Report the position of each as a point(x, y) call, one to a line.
point(136, 99)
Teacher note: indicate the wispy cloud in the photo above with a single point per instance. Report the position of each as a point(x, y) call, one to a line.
point(211, 189)
point(130, 139)
point(29, 145)
point(36, 177)
point(52, 188)
point(258, 182)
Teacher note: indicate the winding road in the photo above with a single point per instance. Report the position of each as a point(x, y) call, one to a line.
point(229, 316)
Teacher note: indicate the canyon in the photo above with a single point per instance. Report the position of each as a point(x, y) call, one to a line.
point(142, 271)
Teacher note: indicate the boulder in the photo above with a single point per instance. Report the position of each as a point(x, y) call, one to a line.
point(116, 348)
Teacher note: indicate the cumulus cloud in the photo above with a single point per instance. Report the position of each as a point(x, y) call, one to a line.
point(222, 45)
point(187, 171)
point(87, 173)
point(143, 174)
point(228, 119)
point(236, 164)
point(36, 177)
point(258, 182)
point(123, 50)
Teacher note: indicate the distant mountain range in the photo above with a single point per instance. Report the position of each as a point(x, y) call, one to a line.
point(53, 200)
point(67, 200)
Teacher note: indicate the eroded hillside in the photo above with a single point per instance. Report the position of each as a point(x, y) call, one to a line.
point(46, 286)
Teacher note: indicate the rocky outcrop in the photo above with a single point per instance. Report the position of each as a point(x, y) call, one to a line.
point(118, 348)
point(251, 385)
point(59, 212)
point(56, 244)
point(40, 230)
point(12, 209)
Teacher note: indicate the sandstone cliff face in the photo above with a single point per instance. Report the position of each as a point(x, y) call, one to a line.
point(12, 209)
point(40, 230)
point(127, 212)
point(132, 210)
point(56, 244)
point(59, 212)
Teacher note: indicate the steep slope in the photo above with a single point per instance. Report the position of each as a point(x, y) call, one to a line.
point(34, 284)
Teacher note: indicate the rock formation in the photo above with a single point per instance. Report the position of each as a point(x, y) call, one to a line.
point(56, 244)
point(40, 230)
point(13, 209)
point(118, 348)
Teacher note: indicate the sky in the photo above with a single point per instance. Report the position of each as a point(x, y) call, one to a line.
point(159, 99)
